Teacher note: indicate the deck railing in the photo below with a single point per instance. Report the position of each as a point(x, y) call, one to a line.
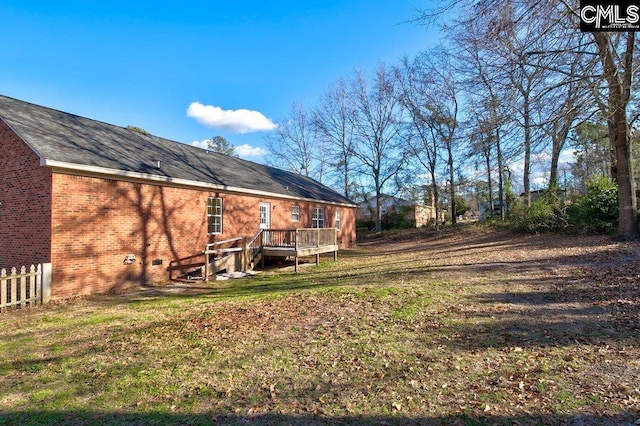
point(315, 237)
point(254, 245)
point(250, 248)
point(278, 238)
point(300, 237)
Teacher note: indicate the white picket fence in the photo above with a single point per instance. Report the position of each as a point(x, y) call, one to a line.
point(22, 288)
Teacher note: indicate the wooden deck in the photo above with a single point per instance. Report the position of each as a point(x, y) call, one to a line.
point(300, 242)
point(243, 253)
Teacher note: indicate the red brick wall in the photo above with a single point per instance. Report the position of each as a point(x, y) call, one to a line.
point(98, 222)
point(25, 195)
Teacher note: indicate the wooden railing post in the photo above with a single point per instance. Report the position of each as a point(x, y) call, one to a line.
point(245, 255)
point(295, 258)
point(206, 263)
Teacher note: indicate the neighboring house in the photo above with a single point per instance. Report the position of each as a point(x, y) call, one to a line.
point(110, 207)
point(415, 213)
point(536, 194)
point(484, 209)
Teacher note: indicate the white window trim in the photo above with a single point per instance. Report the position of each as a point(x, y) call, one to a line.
point(338, 219)
point(295, 213)
point(318, 217)
point(214, 216)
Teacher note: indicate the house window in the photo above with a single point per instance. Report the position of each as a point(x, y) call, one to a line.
point(338, 219)
point(214, 215)
point(317, 220)
point(295, 213)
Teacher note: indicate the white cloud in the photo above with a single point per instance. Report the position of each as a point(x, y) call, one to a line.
point(236, 121)
point(247, 150)
point(201, 144)
point(243, 151)
point(567, 157)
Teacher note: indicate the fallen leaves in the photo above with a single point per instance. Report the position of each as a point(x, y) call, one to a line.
point(466, 325)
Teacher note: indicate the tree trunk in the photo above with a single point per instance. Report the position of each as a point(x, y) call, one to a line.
point(619, 87)
point(452, 191)
point(553, 174)
point(628, 218)
point(503, 213)
point(436, 199)
point(489, 184)
point(378, 210)
point(527, 151)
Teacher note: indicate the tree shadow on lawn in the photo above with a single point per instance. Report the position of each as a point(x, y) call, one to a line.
point(545, 301)
point(561, 273)
point(160, 418)
point(388, 272)
point(547, 312)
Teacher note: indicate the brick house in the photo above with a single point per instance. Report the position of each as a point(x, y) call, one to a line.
point(86, 196)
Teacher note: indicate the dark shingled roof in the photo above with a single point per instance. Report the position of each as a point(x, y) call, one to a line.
point(68, 138)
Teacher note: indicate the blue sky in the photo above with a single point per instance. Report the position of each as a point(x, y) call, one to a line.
point(235, 66)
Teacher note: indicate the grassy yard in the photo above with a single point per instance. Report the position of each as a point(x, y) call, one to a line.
point(471, 326)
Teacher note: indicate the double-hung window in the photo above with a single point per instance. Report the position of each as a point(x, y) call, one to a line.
point(317, 220)
point(338, 219)
point(214, 215)
point(295, 213)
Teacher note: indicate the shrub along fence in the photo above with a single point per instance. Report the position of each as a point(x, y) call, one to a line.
point(22, 288)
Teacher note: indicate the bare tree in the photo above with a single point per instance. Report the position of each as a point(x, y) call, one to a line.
point(489, 95)
point(333, 119)
point(616, 51)
point(293, 145)
point(527, 78)
point(444, 115)
point(567, 104)
point(415, 97)
point(377, 128)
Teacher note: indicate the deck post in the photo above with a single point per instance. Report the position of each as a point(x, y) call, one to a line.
point(297, 235)
point(245, 255)
point(206, 264)
point(317, 259)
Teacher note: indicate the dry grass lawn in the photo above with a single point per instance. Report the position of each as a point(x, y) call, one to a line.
point(470, 326)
